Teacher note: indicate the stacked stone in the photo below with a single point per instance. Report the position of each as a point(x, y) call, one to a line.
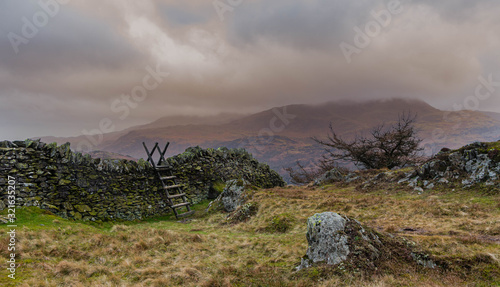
point(77, 186)
point(198, 169)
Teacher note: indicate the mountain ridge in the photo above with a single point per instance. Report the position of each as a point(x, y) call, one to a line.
point(282, 135)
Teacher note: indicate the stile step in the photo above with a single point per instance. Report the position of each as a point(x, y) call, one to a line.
point(162, 167)
point(175, 196)
point(185, 214)
point(181, 204)
point(172, 186)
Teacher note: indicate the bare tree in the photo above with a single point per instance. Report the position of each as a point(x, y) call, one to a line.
point(390, 147)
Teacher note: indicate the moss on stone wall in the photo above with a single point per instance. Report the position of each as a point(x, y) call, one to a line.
point(200, 170)
point(76, 186)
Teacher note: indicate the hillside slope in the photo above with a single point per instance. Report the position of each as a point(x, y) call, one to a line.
point(460, 229)
point(280, 136)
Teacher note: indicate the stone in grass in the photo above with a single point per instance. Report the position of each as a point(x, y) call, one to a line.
point(327, 240)
point(334, 239)
point(243, 213)
point(236, 193)
point(331, 176)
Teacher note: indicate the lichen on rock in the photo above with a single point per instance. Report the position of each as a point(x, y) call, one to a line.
point(337, 239)
point(235, 193)
point(243, 212)
point(327, 240)
point(472, 164)
point(476, 164)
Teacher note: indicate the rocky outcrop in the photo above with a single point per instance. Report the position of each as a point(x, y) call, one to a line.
point(477, 163)
point(335, 239)
point(236, 200)
point(200, 169)
point(235, 194)
point(331, 176)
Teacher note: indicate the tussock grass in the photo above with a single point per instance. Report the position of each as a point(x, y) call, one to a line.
point(461, 230)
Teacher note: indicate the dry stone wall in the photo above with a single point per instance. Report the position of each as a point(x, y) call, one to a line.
point(79, 187)
point(76, 186)
point(200, 169)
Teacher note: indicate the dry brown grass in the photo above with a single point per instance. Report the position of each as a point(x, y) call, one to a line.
point(461, 230)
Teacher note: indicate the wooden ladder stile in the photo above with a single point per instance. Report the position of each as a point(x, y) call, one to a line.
point(176, 197)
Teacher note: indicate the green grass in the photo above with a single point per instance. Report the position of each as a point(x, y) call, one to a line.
point(206, 250)
point(34, 218)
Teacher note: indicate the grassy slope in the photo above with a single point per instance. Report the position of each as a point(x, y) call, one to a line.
point(462, 227)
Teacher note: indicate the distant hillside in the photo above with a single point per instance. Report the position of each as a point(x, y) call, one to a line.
point(292, 142)
point(163, 122)
point(190, 120)
point(495, 116)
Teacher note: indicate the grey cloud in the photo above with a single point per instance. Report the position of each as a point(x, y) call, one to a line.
point(316, 24)
point(266, 53)
point(70, 42)
point(181, 15)
point(457, 10)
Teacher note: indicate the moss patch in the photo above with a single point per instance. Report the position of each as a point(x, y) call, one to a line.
point(280, 223)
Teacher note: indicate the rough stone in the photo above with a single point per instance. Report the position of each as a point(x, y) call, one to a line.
point(83, 208)
point(418, 189)
point(470, 165)
point(327, 240)
point(331, 176)
point(243, 212)
point(336, 239)
point(235, 194)
point(77, 216)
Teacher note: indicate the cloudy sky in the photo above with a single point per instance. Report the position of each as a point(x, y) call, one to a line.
point(65, 66)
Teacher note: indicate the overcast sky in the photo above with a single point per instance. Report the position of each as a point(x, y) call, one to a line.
point(65, 67)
